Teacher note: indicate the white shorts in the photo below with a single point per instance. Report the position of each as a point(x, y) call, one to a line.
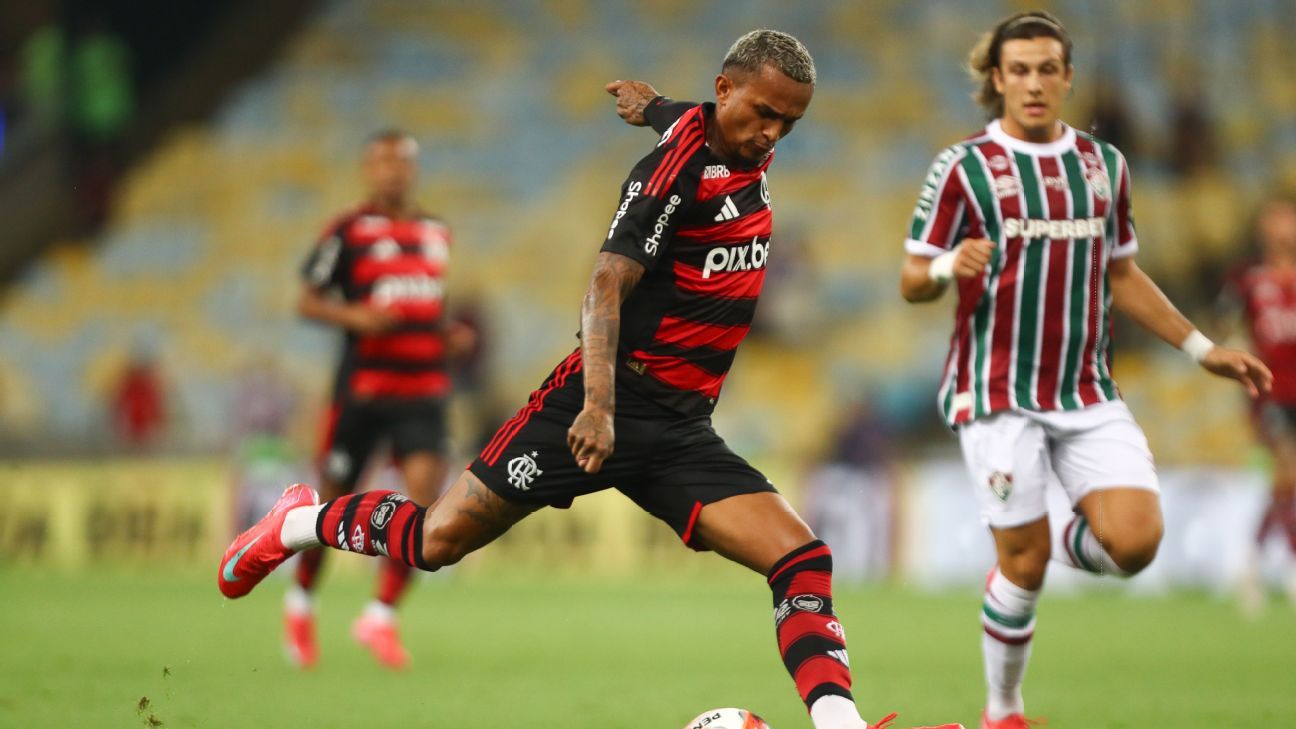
point(1013, 455)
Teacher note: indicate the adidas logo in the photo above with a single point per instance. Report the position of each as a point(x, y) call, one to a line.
point(728, 212)
point(841, 657)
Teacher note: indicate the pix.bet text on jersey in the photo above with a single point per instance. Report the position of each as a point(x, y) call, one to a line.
point(702, 230)
point(399, 265)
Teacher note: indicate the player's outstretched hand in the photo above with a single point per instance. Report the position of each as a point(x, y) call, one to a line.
point(1240, 366)
point(972, 258)
point(590, 438)
point(631, 99)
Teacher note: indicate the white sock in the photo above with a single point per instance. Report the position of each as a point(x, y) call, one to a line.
point(298, 601)
point(381, 611)
point(836, 712)
point(1008, 619)
point(1082, 550)
point(298, 531)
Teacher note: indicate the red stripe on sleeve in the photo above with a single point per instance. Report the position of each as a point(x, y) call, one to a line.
point(670, 168)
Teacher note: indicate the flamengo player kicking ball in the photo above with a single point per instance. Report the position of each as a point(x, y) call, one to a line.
point(673, 293)
point(1030, 220)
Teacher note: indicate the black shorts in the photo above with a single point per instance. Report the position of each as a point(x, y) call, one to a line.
point(1275, 421)
point(357, 427)
point(670, 465)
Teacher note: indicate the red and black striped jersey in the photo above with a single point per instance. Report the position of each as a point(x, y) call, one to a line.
point(397, 264)
point(1265, 297)
point(702, 230)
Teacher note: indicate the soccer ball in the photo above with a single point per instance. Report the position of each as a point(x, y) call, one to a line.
point(727, 719)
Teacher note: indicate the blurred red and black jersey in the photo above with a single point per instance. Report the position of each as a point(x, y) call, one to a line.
point(1266, 298)
point(702, 230)
point(395, 264)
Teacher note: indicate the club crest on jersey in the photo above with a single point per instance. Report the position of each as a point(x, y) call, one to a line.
point(1090, 160)
point(1006, 186)
point(727, 259)
point(765, 196)
point(998, 163)
point(523, 470)
point(1099, 183)
point(1001, 484)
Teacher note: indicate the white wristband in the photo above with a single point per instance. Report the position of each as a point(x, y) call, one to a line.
point(1197, 345)
point(941, 269)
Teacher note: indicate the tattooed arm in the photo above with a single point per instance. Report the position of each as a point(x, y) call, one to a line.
point(591, 436)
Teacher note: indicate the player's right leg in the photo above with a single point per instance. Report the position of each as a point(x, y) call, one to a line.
point(1007, 458)
point(376, 523)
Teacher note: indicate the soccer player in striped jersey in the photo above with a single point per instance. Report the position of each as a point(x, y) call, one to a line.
point(672, 295)
point(377, 273)
point(1263, 295)
point(1030, 220)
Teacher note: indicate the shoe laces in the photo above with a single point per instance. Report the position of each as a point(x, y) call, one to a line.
point(884, 722)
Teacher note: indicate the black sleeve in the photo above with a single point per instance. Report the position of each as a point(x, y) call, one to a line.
point(662, 112)
point(654, 197)
point(323, 267)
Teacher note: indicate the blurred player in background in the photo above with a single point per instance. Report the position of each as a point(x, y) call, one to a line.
point(1264, 296)
point(1031, 221)
point(672, 295)
point(378, 273)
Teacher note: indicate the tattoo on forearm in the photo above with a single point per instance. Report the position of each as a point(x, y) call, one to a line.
point(614, 277)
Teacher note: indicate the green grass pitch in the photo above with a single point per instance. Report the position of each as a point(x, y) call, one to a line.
point(86, 650)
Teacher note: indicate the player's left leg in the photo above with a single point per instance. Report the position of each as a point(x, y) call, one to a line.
point(1103, 461)
point(715, 500)
point(761, 532)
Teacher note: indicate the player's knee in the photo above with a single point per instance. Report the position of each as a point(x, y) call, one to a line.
point(441, 548)
point(1025, 566)
point(1134, 549)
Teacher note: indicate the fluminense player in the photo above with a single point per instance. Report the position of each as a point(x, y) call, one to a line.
point(672, 295)
point(1029, 220)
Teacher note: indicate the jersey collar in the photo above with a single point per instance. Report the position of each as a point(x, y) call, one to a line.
point(1048, 149)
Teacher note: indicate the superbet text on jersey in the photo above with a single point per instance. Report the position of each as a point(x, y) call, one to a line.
point(399, 265)
point(702, 230)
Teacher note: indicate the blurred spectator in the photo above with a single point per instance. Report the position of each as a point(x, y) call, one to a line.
point(1193, 145)
point(850, 500)
point(43, 71)
point(789, 311)
point(1111, 118)
point(139, 402)
point(102, 106)
point(263, 459)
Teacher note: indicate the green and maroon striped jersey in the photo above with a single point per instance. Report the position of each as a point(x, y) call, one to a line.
point(1033, 332)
